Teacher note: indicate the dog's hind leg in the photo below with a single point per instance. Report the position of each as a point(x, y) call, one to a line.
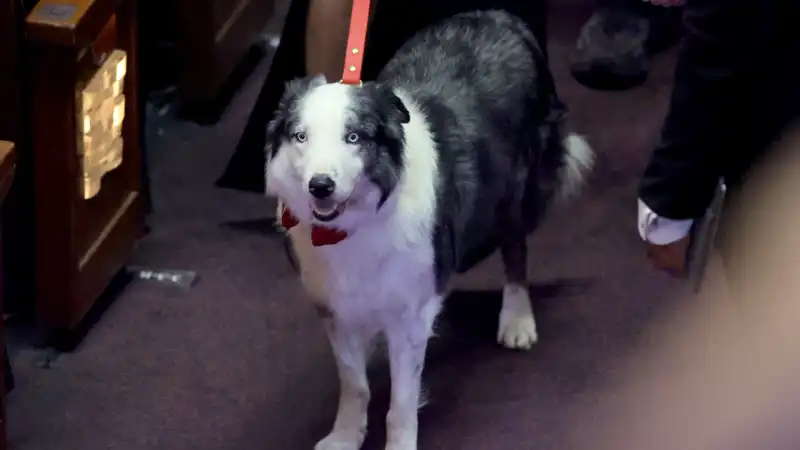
point(517, 327)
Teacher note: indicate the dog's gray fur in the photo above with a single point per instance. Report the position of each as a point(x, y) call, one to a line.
point(484, 84)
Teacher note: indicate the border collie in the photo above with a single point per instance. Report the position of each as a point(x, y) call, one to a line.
point(455, 151)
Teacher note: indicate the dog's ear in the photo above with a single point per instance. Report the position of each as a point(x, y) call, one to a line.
point(293, 91)
point(398, 108)
point(276, 129)
point(391, 106)
point(391, 110)
point(391, 114)
point(395, 107)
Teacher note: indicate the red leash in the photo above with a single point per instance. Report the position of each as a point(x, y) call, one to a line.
point(356, 39)
point(353, 62)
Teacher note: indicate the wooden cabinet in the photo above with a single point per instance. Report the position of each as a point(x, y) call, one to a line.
point(85, 133)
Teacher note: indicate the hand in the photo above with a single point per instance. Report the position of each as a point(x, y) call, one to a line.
point(666, 3)
point(670, 258)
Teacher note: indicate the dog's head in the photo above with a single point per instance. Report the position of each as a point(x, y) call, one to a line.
point(335, 152)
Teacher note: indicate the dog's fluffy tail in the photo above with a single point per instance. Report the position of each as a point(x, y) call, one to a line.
point(578, 162)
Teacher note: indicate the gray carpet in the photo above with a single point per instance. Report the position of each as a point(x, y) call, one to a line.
point(229, 363)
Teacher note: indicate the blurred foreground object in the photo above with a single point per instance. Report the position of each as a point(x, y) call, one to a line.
point(724, 372)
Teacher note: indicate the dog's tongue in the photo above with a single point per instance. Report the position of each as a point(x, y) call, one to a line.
point(320, 235)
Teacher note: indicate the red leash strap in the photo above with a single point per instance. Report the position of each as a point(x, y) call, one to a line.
point(356, 38)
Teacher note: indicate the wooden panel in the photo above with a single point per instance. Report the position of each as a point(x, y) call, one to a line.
point(73, 23)
point(10, 113)
point(7, 165)
point(81, 244)
point(213, 37)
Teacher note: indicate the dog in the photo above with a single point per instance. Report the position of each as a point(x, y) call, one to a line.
point(390, 188)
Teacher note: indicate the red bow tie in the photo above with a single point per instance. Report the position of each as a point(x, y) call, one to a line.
point(319, 235)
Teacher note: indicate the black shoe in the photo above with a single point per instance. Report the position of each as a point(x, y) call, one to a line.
point(614, 49)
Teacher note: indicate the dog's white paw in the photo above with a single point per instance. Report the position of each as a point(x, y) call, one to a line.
point(517, 327)
point(401, 447)
point(517, 332)
point(341, 440)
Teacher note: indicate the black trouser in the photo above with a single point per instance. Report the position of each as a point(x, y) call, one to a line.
point(630, 5)
point(394, 22)
point(8, 374)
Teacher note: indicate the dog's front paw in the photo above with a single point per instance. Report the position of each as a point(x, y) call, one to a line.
point(517, 327)
point(407, 442)
point(401, 446)
point(517, 332)
point(401, 429)
point(341, 440)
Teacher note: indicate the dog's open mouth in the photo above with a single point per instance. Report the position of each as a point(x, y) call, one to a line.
point(326, 210)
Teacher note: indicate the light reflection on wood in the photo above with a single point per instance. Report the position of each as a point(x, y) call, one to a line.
point(101, 105)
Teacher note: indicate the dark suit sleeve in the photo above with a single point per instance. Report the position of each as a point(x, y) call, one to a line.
point(715, 63)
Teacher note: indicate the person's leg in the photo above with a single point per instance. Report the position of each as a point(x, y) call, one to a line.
point(326, 37)
point(615, 45)
point(327, 27)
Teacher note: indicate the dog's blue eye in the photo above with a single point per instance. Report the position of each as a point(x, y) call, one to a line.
point(300, 136)
point(352, 138)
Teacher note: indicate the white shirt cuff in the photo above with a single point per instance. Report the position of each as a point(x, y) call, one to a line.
point(659, 230)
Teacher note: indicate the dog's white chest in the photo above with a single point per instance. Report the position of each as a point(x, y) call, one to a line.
point(314, 269)
point(366, 278)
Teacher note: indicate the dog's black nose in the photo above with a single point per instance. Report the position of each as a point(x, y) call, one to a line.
point(321, 186)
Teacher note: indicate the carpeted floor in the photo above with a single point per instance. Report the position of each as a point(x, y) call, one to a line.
point(229, 363)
